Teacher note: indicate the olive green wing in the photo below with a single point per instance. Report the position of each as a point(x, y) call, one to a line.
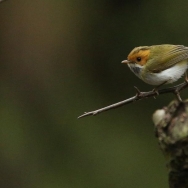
point(165, 56)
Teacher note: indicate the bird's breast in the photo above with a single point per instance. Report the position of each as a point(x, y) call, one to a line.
point(168, 76)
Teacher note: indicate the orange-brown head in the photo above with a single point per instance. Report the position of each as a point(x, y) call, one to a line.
point(138, 55)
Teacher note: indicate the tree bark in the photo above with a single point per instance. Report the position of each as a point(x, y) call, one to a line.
point(171, 128)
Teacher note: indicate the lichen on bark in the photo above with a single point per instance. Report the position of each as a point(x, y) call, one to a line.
point(171, 130)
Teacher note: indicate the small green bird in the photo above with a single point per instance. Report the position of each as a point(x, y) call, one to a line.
point(158, 64)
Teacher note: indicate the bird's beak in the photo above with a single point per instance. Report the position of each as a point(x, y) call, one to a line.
point(126, 61)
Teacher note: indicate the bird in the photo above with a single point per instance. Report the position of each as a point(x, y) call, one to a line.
point(158, 64)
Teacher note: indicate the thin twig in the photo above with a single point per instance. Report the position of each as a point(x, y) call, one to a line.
point(140, 95)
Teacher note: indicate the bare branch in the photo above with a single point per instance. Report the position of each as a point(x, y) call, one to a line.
point(141, 95)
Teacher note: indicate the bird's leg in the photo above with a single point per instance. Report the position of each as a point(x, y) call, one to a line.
point(186, 77)
point(157, 87)
point(155, 90)
point(177, 93)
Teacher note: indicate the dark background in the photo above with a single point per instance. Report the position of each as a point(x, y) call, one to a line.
point(59, 58)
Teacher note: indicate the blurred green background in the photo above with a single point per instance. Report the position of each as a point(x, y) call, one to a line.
point(60, 58)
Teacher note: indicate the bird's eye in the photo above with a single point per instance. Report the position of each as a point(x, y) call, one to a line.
point(138, 58)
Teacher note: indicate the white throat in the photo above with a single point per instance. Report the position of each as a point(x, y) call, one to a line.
point(136, 69)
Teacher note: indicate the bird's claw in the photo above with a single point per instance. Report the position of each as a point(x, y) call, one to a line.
point(155, 91)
